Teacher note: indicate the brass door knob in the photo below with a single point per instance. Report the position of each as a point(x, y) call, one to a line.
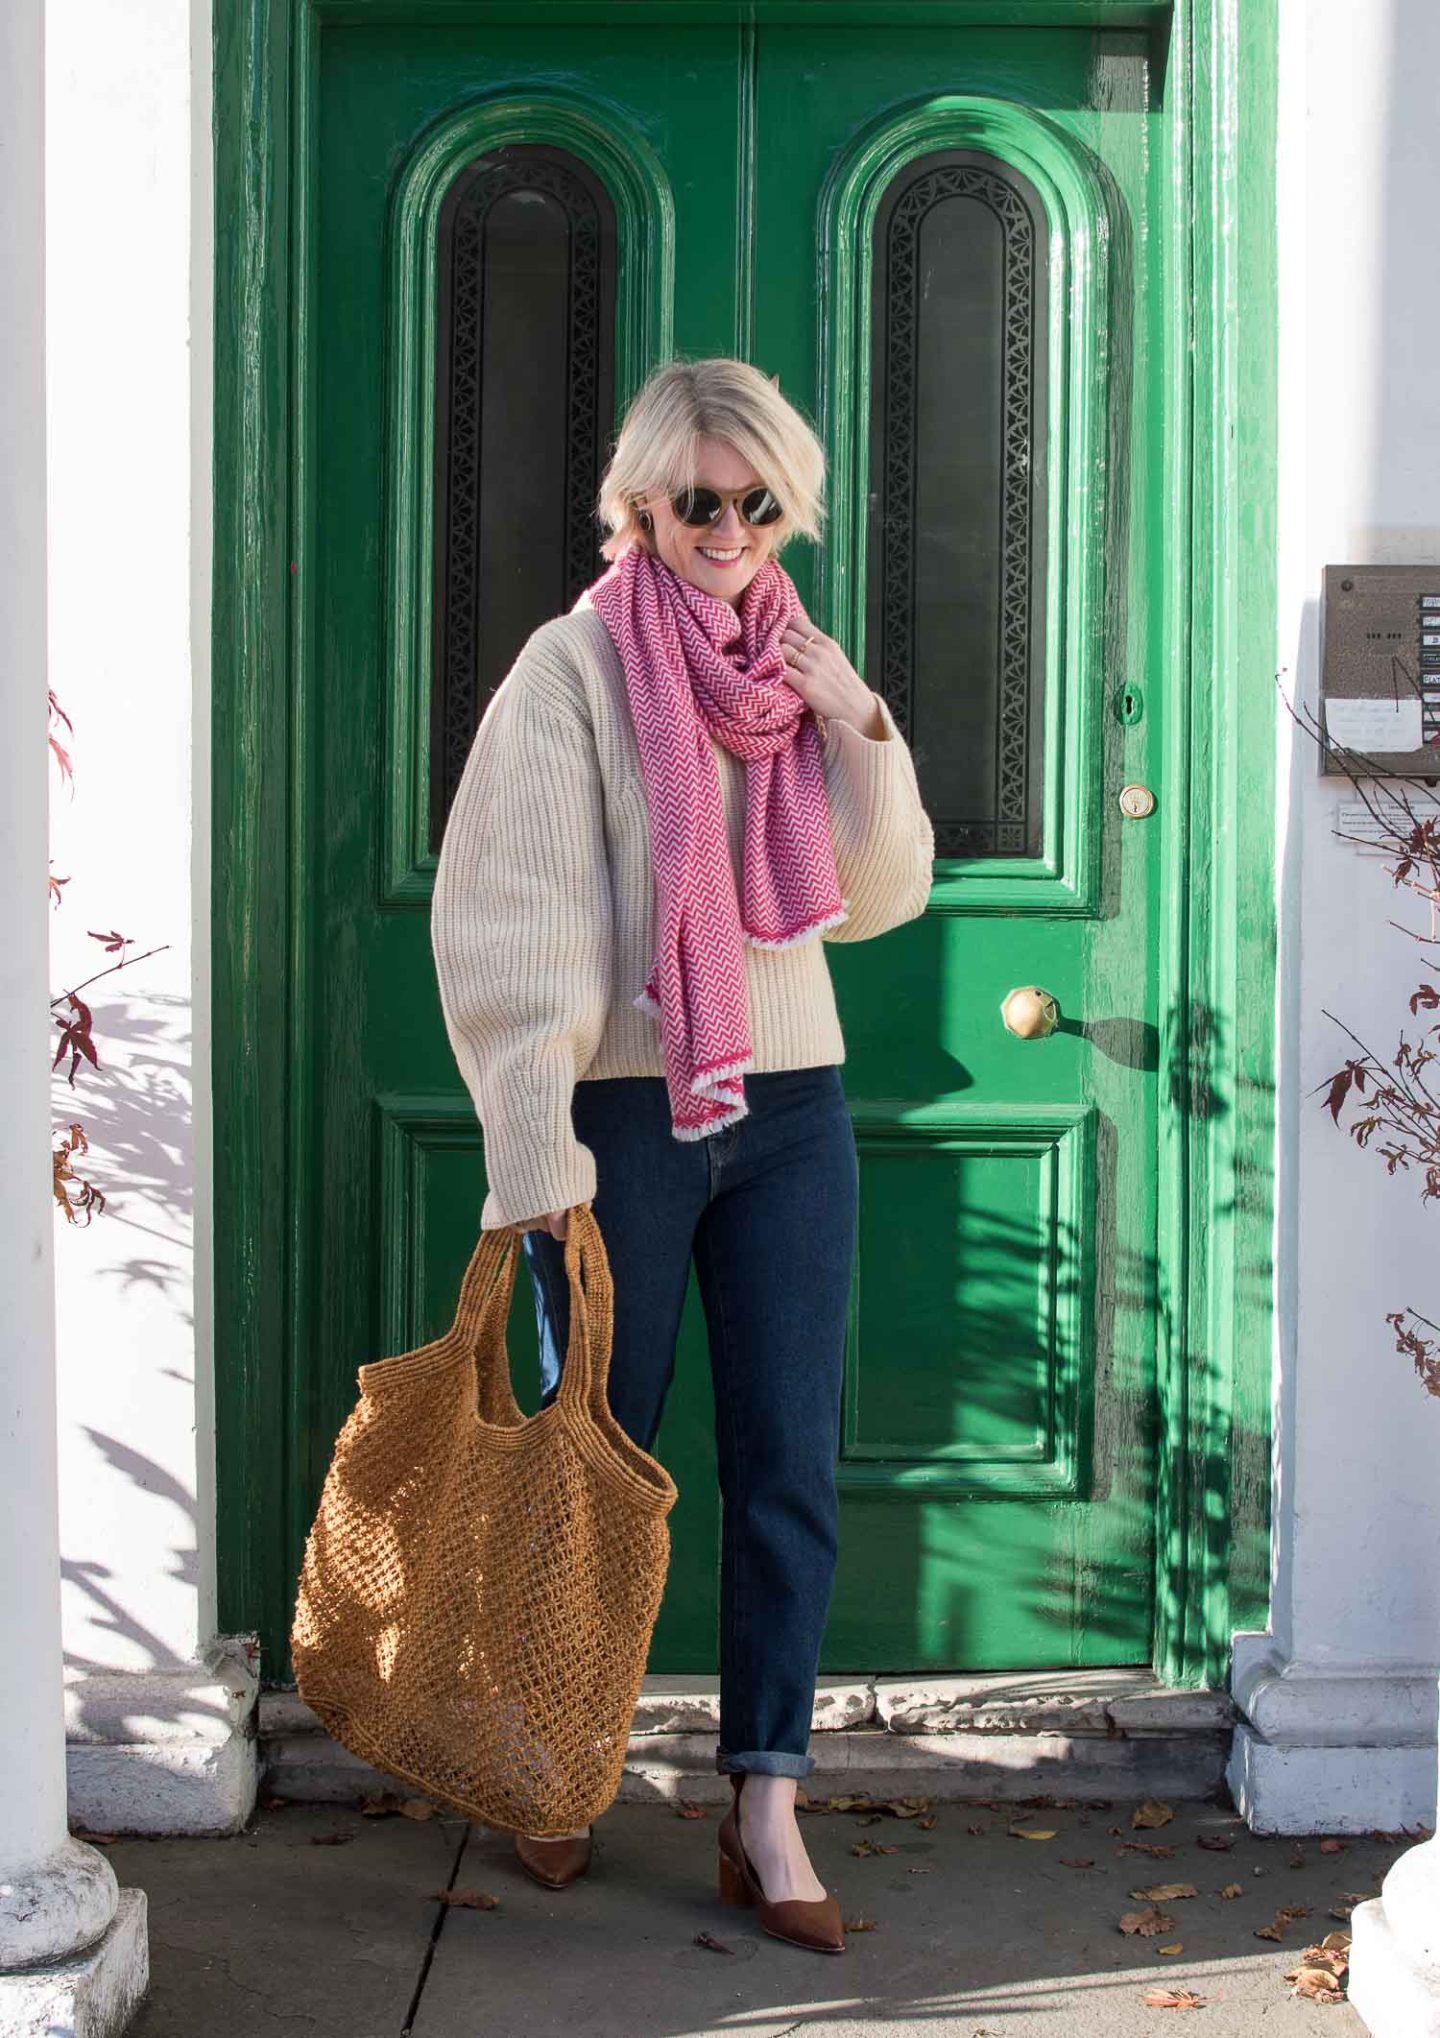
point(1030, 1013)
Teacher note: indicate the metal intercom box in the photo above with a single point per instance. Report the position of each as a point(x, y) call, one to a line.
point(1380, 669)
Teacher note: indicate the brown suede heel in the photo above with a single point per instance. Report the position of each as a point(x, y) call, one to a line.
point(802, 1921)
point(553, 1863)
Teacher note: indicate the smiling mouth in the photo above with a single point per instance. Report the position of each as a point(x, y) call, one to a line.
point(717, 557)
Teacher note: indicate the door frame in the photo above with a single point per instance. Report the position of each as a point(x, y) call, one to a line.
point(1217, 586)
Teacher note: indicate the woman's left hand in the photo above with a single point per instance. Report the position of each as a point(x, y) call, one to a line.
point(825, 679)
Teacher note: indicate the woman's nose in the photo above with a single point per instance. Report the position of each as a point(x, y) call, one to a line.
point(729, 528)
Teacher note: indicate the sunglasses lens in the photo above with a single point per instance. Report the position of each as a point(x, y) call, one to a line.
point(697, 506)
point(760, 508)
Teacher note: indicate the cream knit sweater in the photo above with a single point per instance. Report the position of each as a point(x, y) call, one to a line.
point(543, 915)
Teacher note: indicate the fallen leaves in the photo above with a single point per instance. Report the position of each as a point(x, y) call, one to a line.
point(917, 1808)
point(385, 1804)
point(864, 1847)
point(1217, 1843)
point(1172, 1999)
point(467, 1899)
point(1232, 1890)
point(859, 1924)
point(1178, 1947)
point(1032, 1832)
point(1157, 1850)
point(1165, 1892)
point(1151, 1813)
point(331, 1839)
point(686, 1808)
point(1147, 1924)
point(1077, 1861)
point(1320, 1977)
point(711, 1943)
point(1283, 1918)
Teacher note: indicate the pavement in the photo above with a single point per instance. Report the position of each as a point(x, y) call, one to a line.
point(325, 1919)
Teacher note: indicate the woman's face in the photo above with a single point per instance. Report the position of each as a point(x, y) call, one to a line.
point(725, 556)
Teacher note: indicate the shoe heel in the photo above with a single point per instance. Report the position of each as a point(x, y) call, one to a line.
point(733, 1888)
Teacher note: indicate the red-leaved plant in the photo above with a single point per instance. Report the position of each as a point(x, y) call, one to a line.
point(1394, 1106)
point(80, 1199)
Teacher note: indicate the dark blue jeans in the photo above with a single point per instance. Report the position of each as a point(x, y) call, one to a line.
point(767, 1207)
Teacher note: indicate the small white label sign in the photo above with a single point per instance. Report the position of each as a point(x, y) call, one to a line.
point(1382, 827)
point(1374, 725)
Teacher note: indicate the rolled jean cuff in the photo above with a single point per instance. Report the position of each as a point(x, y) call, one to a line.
point(767, 1761)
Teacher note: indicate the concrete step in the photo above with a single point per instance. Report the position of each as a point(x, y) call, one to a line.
point(1082, 1734)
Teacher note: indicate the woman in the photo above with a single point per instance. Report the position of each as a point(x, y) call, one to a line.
point(679, 790)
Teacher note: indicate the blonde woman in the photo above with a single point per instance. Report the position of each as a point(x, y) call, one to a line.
point(681, 787)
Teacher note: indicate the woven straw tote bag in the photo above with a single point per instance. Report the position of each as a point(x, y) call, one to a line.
point(479, 1588)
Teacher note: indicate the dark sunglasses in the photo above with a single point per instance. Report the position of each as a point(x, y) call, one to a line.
point(700, 506)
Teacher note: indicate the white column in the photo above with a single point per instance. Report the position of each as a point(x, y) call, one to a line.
point(1395, 1954)
point(59, 1931)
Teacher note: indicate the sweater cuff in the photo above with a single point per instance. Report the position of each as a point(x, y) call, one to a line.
point(525, 1180)
point(875, 766)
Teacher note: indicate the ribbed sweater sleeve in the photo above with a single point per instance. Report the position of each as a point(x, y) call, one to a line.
point(884, 839)
point(523, 942)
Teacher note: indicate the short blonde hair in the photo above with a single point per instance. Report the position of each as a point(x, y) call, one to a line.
point(682, 402)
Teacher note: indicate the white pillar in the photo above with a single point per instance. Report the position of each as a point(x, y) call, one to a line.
point(71, 1955)
point(1395, 1953)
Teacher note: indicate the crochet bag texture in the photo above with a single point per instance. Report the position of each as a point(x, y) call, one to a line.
point(479, 1587)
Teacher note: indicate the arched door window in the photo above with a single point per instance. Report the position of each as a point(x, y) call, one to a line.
point(955, 597)
point(524, 411)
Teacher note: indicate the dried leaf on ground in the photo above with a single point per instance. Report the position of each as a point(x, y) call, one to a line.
point(919, 1871)
point(1148, 1924)
point(1172, 1999)
point(1077, 1861)
point(1285, 1916)
point(928, 1823)
point(331, 1839)
point(467, 1899)
point(1151, 1813)
point(977, 1830)
point(1218, 1843)
point(686, 1808)
point(275, 1804)
point(711, 1943)
point(1332, 1846)
point(1165, 1892)
point(1155, 1850)
point(1032, 1832)
point(417, 1808)
point(859, 1924)
point(1232, 1890)
point(864, 1847)
point(380, 1804)
point(1177, 1947)
point(1320, 1976)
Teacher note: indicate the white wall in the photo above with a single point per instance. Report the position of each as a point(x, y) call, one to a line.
point(1355, 1641)
point(130, 259)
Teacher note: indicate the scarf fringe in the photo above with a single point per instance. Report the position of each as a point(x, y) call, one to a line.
point(805, 933)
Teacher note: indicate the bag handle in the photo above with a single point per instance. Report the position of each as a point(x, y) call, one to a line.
point(484, 1308)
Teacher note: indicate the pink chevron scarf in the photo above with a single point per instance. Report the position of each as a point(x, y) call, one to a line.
point(695, 667)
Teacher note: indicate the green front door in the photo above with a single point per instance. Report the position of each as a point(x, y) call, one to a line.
point(949, 243)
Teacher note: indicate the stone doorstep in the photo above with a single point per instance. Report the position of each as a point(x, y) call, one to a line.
point(1115, 1733)
point(1107, 1703)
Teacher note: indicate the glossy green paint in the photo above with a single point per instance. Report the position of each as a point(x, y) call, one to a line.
point(347, 1165)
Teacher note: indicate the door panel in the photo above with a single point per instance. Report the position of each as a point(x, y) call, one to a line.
point(997, 1464)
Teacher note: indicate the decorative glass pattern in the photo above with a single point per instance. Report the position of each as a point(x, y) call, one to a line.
point(524, 411)
point(956, 538)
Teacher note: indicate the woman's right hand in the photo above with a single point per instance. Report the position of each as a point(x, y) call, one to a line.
point(557, 1223)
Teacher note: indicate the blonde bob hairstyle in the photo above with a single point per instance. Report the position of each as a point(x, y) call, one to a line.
point(682, 402)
